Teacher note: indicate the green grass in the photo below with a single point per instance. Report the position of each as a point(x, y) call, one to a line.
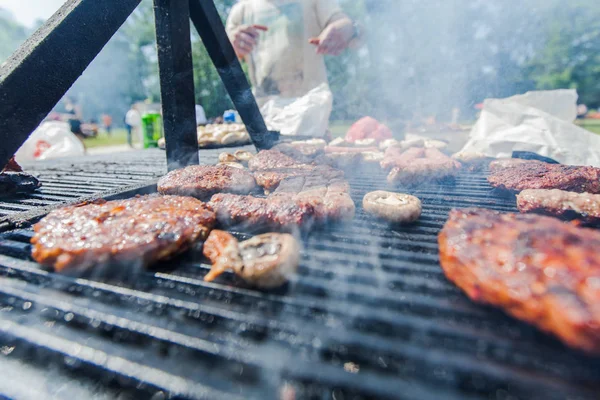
point(117, 137)
point(339, 128)
point(592, 125)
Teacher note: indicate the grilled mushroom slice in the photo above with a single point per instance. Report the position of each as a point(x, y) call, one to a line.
point(227, 158)
point(393, 207)
point(269, 259)
point(233, 164)
point(243, 155)
point(221, 248)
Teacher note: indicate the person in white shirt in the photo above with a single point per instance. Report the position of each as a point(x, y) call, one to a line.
point(133, 121)
point(284, 43)
point(200, 115)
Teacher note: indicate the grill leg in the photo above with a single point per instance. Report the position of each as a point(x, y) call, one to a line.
point(208, 23)
point(176, 82)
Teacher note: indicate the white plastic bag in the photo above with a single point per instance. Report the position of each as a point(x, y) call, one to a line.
point(539, 122)
point(305, 116)
point(51, 139)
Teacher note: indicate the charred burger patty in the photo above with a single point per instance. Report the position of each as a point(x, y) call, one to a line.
point(144, 229)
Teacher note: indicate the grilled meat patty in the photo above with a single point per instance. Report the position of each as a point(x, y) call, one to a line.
point(569, 205)
point(202, 181)
point(540, 175)
point(502, 163)
point(536, 268)
point(297, 202)
point(144, 229)
point(270, 179)
point(272, 159)
point(417, 165)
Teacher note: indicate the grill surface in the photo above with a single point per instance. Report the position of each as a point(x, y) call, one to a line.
point(370, 314)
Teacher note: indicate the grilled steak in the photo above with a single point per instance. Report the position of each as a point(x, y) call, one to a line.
point(502, 163)
point(202, 181)
point(417, 165)
point(540, 175)
point(297, 202)
point(536, 268)
point(272, 159)
point(270, 179)
point(139, 230)
point(569, 205)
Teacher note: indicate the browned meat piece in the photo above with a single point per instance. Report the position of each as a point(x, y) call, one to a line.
point(540, 175)
point(12, 166)
point(302, 151)
point(248, 211)
point(221, 248)
point(136, 231)
point(509, 163)
point(270, 179)
point(297, 202)
point(202, 181)
point(345, 161)
point(13, 180)
point(272, 159)
point(397, 157)
point(264, 261)
point(536, 268)
point(584, 207)
point(411, 169)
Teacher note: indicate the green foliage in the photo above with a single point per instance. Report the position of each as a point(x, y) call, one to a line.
point(571, 55)
point(417, 60)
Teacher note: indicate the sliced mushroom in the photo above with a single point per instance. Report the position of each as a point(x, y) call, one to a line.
point(232, 164)
point(227, 158)
point(393, 207)
point(222, 249)
point(161, 143)
point(243, 155)
point(269, 259)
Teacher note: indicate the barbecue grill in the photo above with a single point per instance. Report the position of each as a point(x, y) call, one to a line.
point(369, 314)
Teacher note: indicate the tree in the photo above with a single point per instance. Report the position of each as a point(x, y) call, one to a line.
point(571, 56)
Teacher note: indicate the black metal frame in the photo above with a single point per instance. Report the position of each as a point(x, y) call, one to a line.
point(40, 72)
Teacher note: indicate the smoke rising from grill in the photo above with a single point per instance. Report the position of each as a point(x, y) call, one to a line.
point(424, 59)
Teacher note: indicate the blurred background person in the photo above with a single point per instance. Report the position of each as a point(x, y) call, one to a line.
point(133, 122)
point(284, 42)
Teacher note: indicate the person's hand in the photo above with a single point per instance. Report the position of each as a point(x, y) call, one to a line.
point(335, 37)
point(245, 37)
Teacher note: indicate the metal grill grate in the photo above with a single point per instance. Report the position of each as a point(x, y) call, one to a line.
point(370, 314)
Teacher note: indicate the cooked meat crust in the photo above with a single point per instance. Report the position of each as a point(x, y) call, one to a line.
point(540, 175)
point(297, 202)
point(569, 205)
point(272, 159)
point(536, 268)
point(144, 230)
point(509, 163)
point(270, 179)
point(417, 165)
point(202, 181)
